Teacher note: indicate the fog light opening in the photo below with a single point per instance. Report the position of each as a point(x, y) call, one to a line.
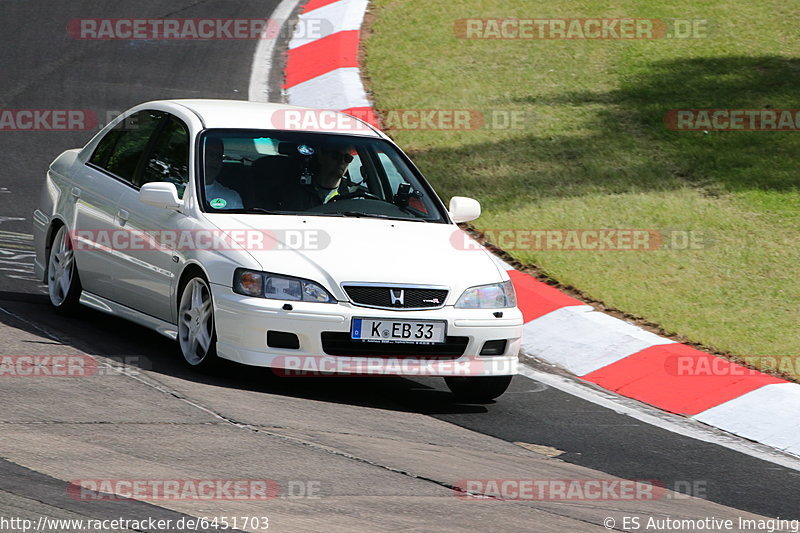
point(496, 347)
point(282, 339)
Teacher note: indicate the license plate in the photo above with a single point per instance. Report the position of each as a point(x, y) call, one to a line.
point(390, 330)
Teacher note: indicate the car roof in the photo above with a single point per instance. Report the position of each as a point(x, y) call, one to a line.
point(242, 114)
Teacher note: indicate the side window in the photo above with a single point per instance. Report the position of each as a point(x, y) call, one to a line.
point(354, 170)
point(129, 139)
point(169, 158)
point(398, 173)
point(363, 175)
point(394, 176)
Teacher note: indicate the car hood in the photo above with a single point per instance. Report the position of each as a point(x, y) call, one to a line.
point(336, 250)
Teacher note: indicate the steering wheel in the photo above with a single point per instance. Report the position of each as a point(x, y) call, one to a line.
point(360, 193)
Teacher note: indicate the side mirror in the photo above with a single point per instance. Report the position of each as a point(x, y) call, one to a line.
point(463, 209)
point(160, 194)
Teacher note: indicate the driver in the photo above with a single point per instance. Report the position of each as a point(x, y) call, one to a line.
point(329, 166)
point(218, 196)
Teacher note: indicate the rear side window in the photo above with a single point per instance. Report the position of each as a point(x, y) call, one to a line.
point(121, 149)
point(104, 148)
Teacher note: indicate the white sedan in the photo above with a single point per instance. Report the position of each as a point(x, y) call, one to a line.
point(276, 236)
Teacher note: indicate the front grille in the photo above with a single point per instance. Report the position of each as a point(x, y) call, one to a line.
point(396, 297)
point(340, 343)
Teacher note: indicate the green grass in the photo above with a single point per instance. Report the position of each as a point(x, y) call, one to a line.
point(594, 152)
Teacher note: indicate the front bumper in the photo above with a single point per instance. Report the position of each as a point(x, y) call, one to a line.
point(242, 324)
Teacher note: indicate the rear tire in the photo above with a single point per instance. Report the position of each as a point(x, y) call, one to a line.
point(63, 282)
point(197, 336)
point(477, 389)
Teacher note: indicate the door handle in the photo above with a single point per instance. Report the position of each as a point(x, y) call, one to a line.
point(76, 192)
point(122, 215)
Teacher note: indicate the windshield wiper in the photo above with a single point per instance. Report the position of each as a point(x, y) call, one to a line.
point(264, 211)
point(359, 214)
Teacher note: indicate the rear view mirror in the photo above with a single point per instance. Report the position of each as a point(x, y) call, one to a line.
point(463, 209)
point(160, 194)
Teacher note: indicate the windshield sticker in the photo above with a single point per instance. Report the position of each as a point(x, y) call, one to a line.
point(218, 203)
point(305, 149)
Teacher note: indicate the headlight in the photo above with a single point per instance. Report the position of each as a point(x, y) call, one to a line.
point(494, 296)
point(275, 287)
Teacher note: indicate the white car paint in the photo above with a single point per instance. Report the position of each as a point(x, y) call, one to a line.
point(143, 286)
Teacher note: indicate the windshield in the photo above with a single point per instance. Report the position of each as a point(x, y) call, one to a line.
point(278, 172)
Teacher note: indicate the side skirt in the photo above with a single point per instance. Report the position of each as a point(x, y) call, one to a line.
point(112, 308)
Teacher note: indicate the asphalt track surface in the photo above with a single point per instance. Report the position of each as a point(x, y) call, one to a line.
point(384, 450)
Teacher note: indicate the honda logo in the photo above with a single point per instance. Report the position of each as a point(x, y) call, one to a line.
point(397, 296)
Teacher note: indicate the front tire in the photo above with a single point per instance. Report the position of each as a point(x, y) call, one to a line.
point(63, 282)
point(477, 389)
point(197, 335)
